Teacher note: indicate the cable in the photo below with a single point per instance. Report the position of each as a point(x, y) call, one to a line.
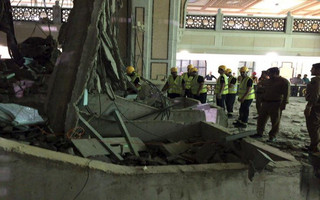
point(86, 182)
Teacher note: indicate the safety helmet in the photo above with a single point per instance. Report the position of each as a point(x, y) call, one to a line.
point(228, 71)
point(190, 66)
point(223, 67)
point(194, 70)
point(254, 73)
point(244, 69)
point(174, 69)
point(129, 69)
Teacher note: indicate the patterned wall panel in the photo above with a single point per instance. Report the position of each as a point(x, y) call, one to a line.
point(200, 22)
point(160, 29)
point(31, 13)
point(158, 70)
point(253, 23)
point(306, 25)
point(34, 14)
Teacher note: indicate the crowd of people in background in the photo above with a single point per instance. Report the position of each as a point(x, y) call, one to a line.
point(271, 92)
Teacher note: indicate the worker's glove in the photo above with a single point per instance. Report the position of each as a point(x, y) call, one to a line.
point(283, 106)
point(219, 96)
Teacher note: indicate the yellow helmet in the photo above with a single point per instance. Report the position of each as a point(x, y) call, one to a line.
point(244, 69)
point(194, 70)
point(190, 66)
point(228, 71)
point(223, 67)
point(174, 69)
point(129, 69)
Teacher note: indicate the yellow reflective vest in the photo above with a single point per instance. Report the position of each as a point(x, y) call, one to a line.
point(175, 85)
point(195, 86)
point(218, 86)
point(243, 89)
point(232, 90)
point(187, 80)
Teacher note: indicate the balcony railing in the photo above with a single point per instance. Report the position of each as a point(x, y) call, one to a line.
point(200, 22)
point(33, 14)
point(241, 23)
point(253, 24)
point(306, 25)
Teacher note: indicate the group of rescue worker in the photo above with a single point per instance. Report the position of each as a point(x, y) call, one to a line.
point(189, 84)
point(272, 94)
point(227, 88)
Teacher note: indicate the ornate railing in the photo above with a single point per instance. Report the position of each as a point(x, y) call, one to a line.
point(240, 23)
point(65, 14)
point(253, 24)
point(33, 14)
point(306, 25)
point(200, 22)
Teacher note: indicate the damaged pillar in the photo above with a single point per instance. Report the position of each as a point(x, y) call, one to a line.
point(90, 53)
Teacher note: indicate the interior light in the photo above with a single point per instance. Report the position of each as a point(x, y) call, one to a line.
point(272, 54)
point(4, 52)
point(184, 52)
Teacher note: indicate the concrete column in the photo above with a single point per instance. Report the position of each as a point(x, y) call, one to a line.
point(141, 26)
point(289, 23)
point(173, 32)
point(219, 20)
point(57, 13)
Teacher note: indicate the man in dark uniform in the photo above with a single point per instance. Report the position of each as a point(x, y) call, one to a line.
point(312, 111)
point(274, 98)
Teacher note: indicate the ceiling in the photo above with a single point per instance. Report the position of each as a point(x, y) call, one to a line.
point(301, 8)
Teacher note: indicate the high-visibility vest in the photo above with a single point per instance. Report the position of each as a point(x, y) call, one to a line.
point(218, 86)
point(187, 80)
point(133, 79)
point(175, 85)
point(243, 89)
point(195, 86)
point(232, 90)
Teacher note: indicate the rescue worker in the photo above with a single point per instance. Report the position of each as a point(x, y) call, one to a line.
point(134, 79)
point(312, 110)
point(187, 80)
point(175, 84)
point(198, 88)
point(259, 91)
point(245, 97)
point(275, 96)
point(232, 92)
point(221, 89)
point(254, 78)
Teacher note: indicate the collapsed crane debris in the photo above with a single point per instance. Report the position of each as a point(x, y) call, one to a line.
point(85, 98)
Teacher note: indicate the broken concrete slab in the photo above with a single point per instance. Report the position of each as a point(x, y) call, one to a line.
point(92, 147)
point(211, 181)
point(172, 149)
